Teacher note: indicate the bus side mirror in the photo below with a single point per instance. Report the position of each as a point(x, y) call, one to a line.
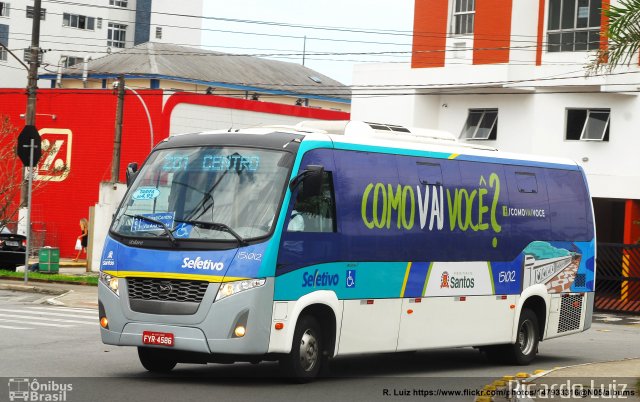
point(132, 171)
point(312, 177)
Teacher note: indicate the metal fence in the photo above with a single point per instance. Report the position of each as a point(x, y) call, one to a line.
point(618, 277)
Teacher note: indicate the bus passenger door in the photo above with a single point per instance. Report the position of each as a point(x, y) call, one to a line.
point(310, 242)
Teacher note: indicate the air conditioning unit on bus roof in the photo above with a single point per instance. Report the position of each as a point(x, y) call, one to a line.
point(363, 128)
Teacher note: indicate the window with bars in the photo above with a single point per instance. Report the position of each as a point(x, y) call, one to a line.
point(117, 35)
point(573, 25)
point(588, 124)
point(78, 21)
point(482, 124)
point(118, 3)
point(463, 15)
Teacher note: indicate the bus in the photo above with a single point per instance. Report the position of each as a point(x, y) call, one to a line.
point(300, 244)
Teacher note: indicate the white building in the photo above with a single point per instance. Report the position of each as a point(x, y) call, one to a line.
point(511, 74)
point(73, 32)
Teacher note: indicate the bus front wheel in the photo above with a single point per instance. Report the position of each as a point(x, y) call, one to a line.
point(306, 357)
point(156, 360)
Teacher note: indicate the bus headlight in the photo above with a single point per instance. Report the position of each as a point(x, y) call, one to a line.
point(232, 288)
point(111, 282)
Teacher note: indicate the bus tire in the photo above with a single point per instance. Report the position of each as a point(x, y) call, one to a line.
point(306, 358)
point(528, 336)
point(156, 360)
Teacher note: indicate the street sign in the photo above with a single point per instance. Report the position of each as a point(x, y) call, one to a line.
point(27, 134)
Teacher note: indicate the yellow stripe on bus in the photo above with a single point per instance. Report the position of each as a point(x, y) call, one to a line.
point(426, 279)
point(453, 156)
point(406, 278)
point(167, 275)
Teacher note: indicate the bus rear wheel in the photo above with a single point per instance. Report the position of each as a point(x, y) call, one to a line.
point(526, 347)
point(156, 360)
point(306, 358)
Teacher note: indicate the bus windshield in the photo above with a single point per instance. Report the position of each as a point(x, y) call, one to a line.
point(205, 193)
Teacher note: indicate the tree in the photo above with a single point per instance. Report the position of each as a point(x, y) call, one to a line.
point(11, 172)
point(623, 34)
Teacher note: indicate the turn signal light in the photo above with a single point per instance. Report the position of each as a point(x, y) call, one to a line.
point(279, 325)
point(104, 323)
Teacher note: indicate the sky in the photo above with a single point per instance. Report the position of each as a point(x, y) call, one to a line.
point(367, 28)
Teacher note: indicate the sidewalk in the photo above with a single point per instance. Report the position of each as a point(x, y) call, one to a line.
point(604, 380)
point(611, 380)
point(70, 295)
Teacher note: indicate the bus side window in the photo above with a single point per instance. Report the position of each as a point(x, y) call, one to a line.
point(315, 214)
point(526, 182)
point(430, 173)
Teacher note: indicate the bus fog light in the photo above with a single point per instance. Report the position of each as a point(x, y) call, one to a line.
point(240, 331)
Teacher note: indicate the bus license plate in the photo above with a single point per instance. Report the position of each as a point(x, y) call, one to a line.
point(157, 338)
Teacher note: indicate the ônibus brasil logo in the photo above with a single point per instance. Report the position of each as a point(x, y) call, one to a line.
point(456, 282)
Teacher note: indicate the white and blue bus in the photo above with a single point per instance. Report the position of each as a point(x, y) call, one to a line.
point(327, 239)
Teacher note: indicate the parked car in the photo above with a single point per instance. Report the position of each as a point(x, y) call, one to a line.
point(12, 249)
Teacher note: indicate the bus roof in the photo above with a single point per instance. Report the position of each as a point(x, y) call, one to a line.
point(359, 135)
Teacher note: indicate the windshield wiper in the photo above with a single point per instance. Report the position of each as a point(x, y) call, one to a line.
point(162, 225)
point(215, 226)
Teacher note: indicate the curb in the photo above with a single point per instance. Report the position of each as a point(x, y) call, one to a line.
point(36, 280)
point(33, 289)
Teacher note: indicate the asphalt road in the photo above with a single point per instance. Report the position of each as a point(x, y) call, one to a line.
point(45, 341)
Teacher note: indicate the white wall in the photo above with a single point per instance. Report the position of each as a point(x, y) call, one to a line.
point(190, 35)
point(187, 118)
point(109, 199)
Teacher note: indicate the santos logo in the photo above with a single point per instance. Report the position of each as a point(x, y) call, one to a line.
point(319, 279)
point(199, 263)
point(456, 282)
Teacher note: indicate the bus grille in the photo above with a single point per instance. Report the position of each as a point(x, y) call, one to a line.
point(166, 290)
point(570, 313)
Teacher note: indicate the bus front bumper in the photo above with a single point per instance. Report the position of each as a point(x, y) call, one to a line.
point(211, 329)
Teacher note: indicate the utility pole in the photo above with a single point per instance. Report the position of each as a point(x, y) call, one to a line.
point(304, 49)
point(115, 164)
point(32, 85)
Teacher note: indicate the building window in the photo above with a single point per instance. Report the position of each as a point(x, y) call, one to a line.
point(588, 124)
point(4, 40)
point(43, 13)
point(574, 25)
point(4, 9)
point(99, 23)
point(72, 60)
point(482, 124)
point(463, 16)
point(118, 3)
point(158, 32)
point(117, 35)
point(78, 21)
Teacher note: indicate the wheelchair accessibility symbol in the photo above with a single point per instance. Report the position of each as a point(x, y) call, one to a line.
point(351, 278)
point(182, 231)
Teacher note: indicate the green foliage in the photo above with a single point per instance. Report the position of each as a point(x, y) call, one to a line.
point(623, 34)
point(61, 278)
